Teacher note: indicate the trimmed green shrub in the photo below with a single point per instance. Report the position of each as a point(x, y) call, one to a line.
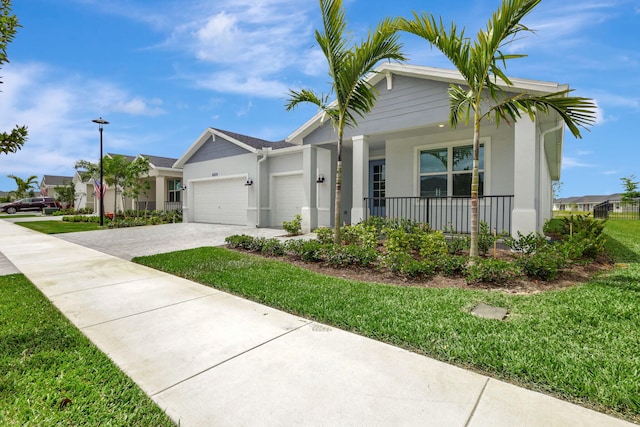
point(293, 227)
point(452, 265)
point(543, 264)
point(306, 250)
point(432, 245)
point(490, 270)
point(405, 265)
point(457, 244)
point(527, 244)
point(324, 235)
point(350, 255)
point(486, 238)
point(239, 241)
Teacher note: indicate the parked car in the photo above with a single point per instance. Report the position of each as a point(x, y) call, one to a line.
point(30, 204)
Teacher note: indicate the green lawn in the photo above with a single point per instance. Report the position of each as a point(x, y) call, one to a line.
point(51, 374)
point(56, 227)
point(7, 216)
point(580, 344)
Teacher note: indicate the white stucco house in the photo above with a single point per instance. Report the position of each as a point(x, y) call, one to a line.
point(164, 193)
point(402, 160)
point(50, 182)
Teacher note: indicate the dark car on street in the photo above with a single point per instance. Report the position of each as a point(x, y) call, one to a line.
point(30, 204)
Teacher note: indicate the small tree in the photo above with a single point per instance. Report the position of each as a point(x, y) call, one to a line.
point(25, 188)
point(631, 192)
point(10, 142)
point(66, 194)
point(557, 187)
point(134, 185)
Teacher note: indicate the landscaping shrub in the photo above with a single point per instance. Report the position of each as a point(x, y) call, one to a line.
point(360, 234)
point(528, 243)
point(82, 218)
point(293, 227)
point(405, 265)
point(377, 222)
point(544, 264)
point(350, 255)
point(452, 265)
point(324, 235)
point(432, 245)
point(579, 246)
point(486, 238)
point(489, 270)
point(584, 225)
point(271, 247)
point(239, 241)
point(306, 250)
point(457, 244)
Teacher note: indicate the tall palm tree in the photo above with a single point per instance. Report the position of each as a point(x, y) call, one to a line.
point(23, 186)
point(348, 67)
point(481, 63)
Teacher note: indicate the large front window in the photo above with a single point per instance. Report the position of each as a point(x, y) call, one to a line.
point(175, 189)
point(446, 171)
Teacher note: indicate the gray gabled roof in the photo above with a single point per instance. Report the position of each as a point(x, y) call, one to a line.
point(56, 180)
point(160, 162)
point(256, 143)
point(130, 158)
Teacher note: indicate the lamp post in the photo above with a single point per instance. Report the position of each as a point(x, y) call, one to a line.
point(100, 123)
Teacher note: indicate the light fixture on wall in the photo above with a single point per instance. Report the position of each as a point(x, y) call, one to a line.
point(249, 182)
point(184, 188)
point(320, 179)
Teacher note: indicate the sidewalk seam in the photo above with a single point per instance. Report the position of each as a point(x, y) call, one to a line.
point(230, 358)
point(473, 411)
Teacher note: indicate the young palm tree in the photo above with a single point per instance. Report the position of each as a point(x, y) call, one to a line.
point(480, 64)
point(24, 186)
point(348, 67)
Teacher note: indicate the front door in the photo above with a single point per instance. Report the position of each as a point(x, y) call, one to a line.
point(377, 174)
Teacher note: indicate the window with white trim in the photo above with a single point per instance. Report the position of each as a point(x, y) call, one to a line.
point(446, 171)
point(175, 188)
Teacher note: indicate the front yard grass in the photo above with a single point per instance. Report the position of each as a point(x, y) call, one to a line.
point(56, 227)
point(580, 344)
point(51, 374)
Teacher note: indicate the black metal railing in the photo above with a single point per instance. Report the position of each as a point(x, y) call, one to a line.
point(627, 210)
point(444, 213)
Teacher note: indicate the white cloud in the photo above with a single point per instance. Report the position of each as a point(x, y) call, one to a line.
point(572, 162)
point(231, 82)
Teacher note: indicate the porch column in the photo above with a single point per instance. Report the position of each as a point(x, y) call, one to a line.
point(161, 193)
point(360, 168)
point(309, 211)
point(526, 165)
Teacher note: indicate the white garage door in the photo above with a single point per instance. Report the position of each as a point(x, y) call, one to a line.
point(220, 201)
point(289, 197)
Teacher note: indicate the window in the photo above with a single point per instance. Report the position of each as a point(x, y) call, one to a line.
point(175, 189)
point(446, 171)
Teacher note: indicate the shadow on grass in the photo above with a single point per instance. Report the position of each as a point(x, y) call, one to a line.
point(620, 252)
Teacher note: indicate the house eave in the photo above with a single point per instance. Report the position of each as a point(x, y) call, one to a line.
point(199, 142)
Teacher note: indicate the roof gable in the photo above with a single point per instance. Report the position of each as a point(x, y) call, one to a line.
point(55, 180)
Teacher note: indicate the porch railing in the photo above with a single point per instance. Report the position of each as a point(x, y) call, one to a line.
point(172, 206)
point(444, 213)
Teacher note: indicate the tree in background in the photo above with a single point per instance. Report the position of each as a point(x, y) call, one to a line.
point(134, 186)
point(10, 142)
point(66, 194)
point(119, 173)
point(348, 67)
point(631, 192)
point(25, 188)
point(481, 63)
point(557, 187)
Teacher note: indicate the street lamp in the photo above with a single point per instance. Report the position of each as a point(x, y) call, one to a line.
point(100, 123)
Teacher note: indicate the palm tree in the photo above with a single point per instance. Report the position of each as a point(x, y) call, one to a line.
point(481, 63)
point(24, 186)
point(348, 67)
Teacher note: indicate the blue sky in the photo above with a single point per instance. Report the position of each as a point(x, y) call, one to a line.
point(163, 71)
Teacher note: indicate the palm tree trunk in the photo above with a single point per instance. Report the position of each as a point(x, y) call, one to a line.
point(337, 237)
point(473, 252)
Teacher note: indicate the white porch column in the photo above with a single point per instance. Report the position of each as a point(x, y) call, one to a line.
point(360, 168)
point(309, 211)
point(161, 193)
point(526, 177)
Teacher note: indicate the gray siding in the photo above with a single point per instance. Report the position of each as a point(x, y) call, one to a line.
point(218, 149)
point(412, 103)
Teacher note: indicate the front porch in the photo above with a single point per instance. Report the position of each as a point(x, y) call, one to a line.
point(444, 213)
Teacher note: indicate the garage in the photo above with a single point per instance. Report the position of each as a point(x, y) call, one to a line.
point(220, 201)
point(288, 198)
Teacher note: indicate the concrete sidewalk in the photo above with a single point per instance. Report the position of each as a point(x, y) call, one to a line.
point(210, 358)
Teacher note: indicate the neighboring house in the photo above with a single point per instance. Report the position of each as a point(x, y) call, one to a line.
point(85, 193)
point(50, 182)
point(402, 160)
point(588, 203)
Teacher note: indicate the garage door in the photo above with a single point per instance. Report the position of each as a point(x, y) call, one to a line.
point(289, 197)
point(220, 201)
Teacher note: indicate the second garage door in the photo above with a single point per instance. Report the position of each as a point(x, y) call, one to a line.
point(289, 197)
point(220, 201)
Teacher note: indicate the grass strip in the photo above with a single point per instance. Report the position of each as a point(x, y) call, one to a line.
point(51, 374)
point(580, 343)
point(57, 227)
